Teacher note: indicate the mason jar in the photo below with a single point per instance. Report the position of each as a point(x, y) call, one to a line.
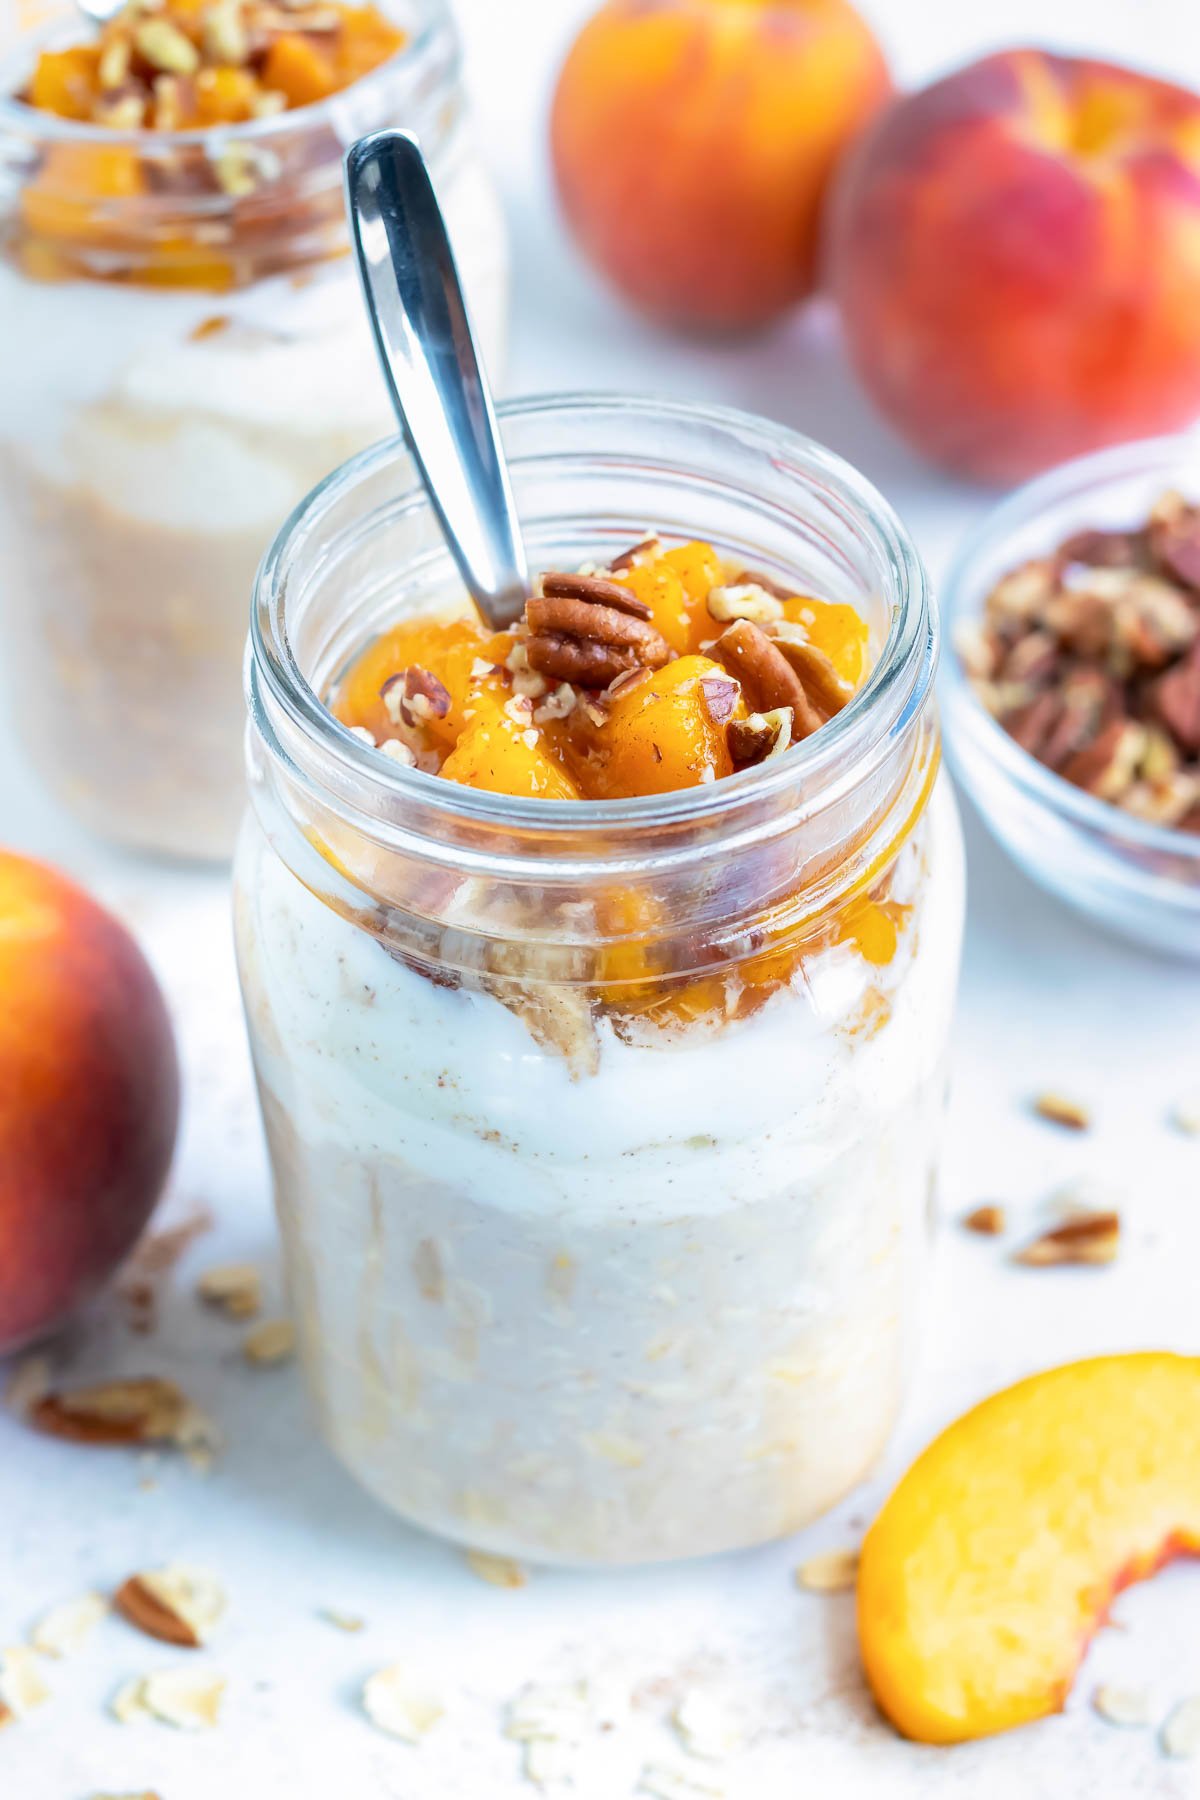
point(187, 354)
point(603, 1133)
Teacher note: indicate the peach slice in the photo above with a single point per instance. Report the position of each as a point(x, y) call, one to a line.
point(997, 1556)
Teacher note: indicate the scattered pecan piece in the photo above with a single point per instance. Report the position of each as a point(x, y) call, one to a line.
point(767, 674)
point(1060, 1109)
point(720, 697)
point(1090, 1238)
point(596, 592)
point(143, 1411)
point(414, 696)
point(989, 1220)
point(177, 1605)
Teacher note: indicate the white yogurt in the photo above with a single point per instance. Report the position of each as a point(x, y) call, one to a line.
point(657, 1310)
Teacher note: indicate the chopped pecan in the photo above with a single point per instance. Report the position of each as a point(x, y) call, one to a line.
point(758, 738)
point(1109, 764)
point(1177, 700)
point(414, 696)
point(1091, 1239)
point(596, 592)
point(1104, 549)
point(629, 559)
point(1175, 536)
point(1089, 698)
point(720, 697)
point(768, 675)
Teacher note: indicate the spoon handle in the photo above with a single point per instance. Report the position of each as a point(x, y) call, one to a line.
point(432, 366)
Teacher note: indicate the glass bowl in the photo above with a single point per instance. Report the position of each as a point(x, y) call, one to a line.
point(1139, 879)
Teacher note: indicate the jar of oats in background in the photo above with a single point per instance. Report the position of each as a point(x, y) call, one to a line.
point(187, 354)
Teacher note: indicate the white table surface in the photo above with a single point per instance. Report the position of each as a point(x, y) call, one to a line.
point(1046, 1001)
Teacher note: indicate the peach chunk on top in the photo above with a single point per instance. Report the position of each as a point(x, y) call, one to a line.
point(503, 752)
point(667, 731)
point(447, 649)
point(997, 1556)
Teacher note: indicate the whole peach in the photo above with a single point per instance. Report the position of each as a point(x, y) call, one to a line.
point(693, 141)
point(1016, 255)
point(89, 1097)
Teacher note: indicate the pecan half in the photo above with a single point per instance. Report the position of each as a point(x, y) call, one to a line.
point(587, 642)
point(820, 679)
point(596, 592)
point(768, 675)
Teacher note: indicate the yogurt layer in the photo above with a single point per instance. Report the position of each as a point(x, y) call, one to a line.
point(658, 1310)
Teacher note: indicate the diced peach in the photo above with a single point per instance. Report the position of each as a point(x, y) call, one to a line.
point(61, 201)
point(693, 141)
point(297, 68)
point(226, 96)
point(665, 733)
point(504, 755)
point(66, 82)
point(835, 629)
point(660, 586)
point(447, 648)
point(366, 40)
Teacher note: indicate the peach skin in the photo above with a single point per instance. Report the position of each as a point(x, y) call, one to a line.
point(693, 141)
point(1015, 252)
point(89, 1097)
point(998, 1555)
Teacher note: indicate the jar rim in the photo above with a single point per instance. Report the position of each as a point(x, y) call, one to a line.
point(877, 716)
point(17, 115)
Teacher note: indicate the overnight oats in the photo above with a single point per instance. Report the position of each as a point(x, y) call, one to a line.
point(599, 975)
point(187, 356)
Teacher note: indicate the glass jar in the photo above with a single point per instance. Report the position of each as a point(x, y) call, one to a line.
point(187, 355)
point(603, 1133)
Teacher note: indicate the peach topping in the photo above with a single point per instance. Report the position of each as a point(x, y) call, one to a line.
point(213, 213)
point(669, 670)
point(184, 64)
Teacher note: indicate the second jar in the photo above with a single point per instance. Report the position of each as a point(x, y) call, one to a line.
point(603, 1132)
point(186, 354)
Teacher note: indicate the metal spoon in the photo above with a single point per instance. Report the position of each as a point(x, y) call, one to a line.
point(99, 12)
point(432, 367)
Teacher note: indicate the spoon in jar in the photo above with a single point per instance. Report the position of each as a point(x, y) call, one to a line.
point(432, 367)
point(100, 12)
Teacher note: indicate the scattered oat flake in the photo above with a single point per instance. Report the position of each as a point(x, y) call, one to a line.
point(178, 1605)
point(21, 1684)
point(274, 1341)
point(341, 1621)
point(29, 1382)
point(1121, 1706)
point(1185, 1115)
point(549, 1762)
point(395, 1702)
point(233, 1288)
point(1060, 1109)
point(705, 1728)
point(499, 1571)
point(560, 1711)
point(128, 1703)
point(190, 1699)
point(988, 1221)
point(833, 1572)
point(1085, 1240)
point(1180, 1735)
point(666, 1783)
point(67, 1627)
